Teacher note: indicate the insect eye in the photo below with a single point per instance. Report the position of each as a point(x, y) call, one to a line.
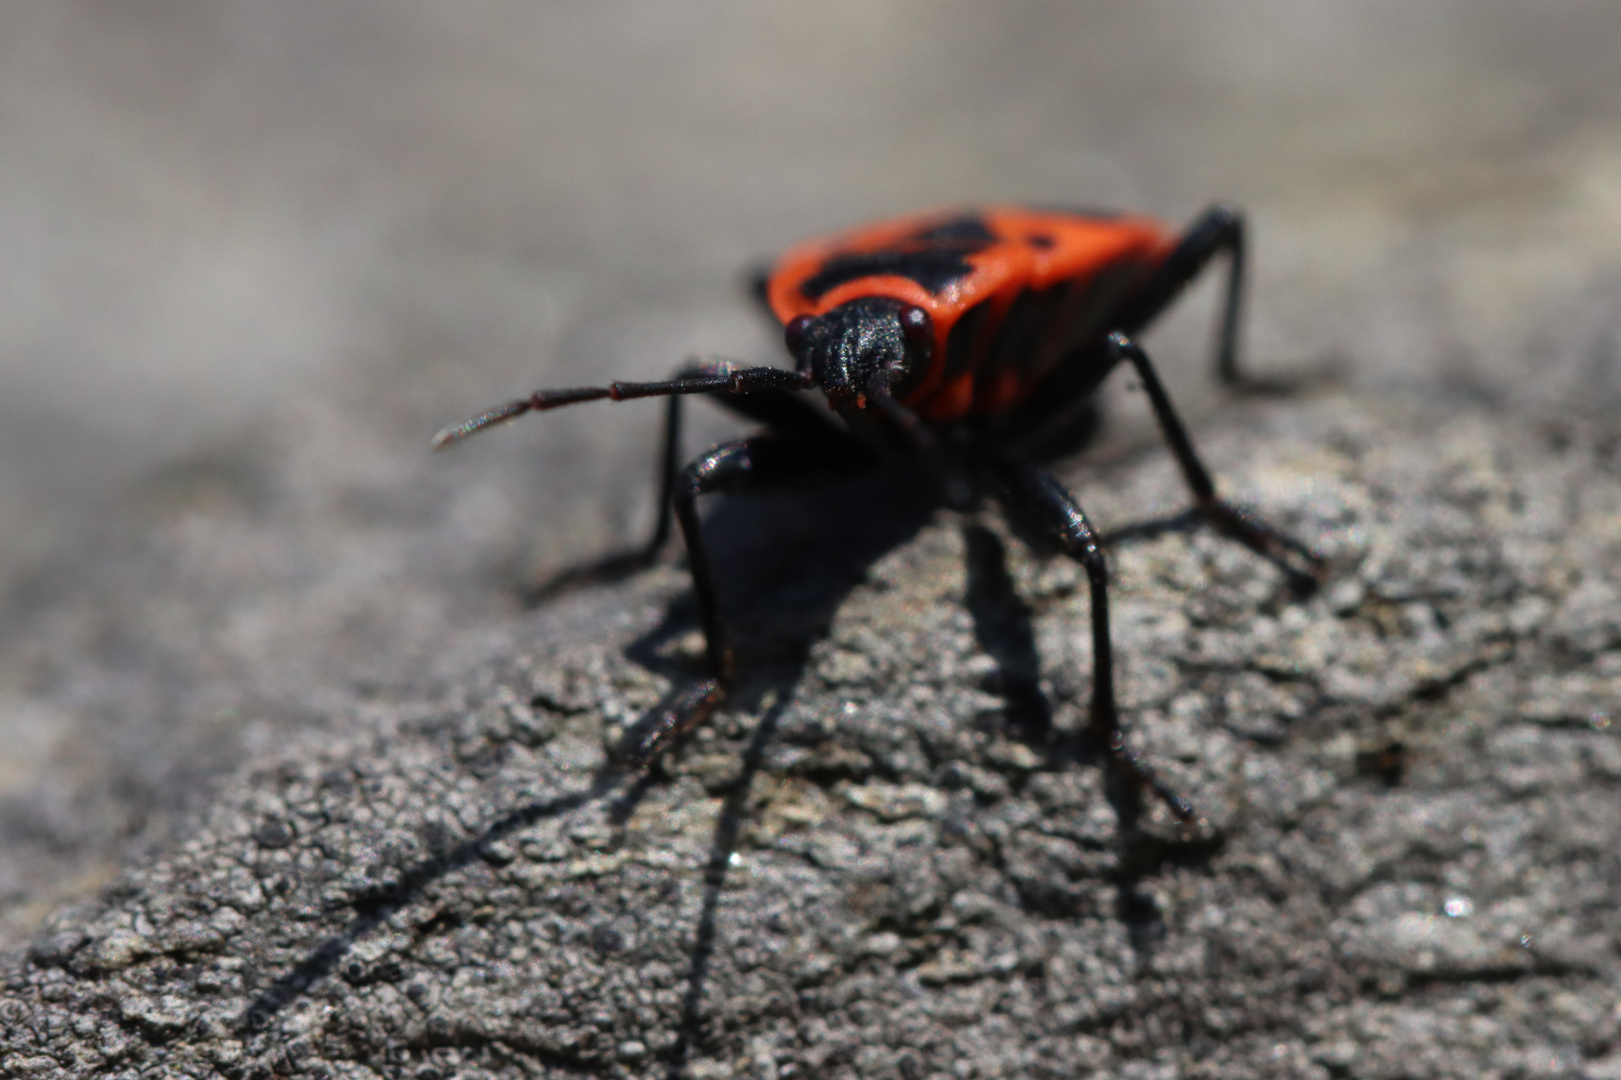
point(918, 329)
point(793, 333)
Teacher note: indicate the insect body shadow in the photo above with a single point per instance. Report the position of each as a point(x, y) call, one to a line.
point(374, 907)
point(837, 552)
point(825, 558)
point(793, 559)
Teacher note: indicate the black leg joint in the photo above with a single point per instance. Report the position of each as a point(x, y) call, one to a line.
point(1079, 541)
point(723, 468)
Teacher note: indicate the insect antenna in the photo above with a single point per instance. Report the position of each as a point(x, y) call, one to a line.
point(705, 379)
point(536, 402)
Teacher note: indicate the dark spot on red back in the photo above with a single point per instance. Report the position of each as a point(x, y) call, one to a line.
point(934, 270)
point(964, 231)
point(934, 257)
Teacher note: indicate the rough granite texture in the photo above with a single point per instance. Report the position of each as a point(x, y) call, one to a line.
point(874, 863)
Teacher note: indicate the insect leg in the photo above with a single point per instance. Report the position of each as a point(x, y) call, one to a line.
point(779, 408)
point(759, 463)
point(1294, 557)
point(1035, 494)
point(1218, 230)
point(624, 563)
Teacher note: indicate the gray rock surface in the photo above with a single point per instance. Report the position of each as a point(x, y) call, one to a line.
point(251, 255)
point(868, 867)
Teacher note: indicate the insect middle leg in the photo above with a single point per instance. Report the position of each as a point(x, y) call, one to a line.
point(760, 463)
point(1033, 494)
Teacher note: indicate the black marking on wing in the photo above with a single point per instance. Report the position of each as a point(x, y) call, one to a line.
point(931, 268)
point(934, 257)
point(958, 231)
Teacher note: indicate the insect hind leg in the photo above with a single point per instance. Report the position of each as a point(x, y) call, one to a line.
point(1218, 231)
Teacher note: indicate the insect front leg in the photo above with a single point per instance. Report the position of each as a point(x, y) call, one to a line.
point(625, 563)
point(1035, 495)
point(775, 405)
point(760, 463)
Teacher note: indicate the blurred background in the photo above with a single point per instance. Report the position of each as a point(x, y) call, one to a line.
point(252, 255)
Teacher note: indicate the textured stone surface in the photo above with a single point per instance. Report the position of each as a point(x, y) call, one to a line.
point(251, 255)
point(869, 866)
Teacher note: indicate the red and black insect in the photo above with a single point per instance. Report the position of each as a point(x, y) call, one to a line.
point(973, 340)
